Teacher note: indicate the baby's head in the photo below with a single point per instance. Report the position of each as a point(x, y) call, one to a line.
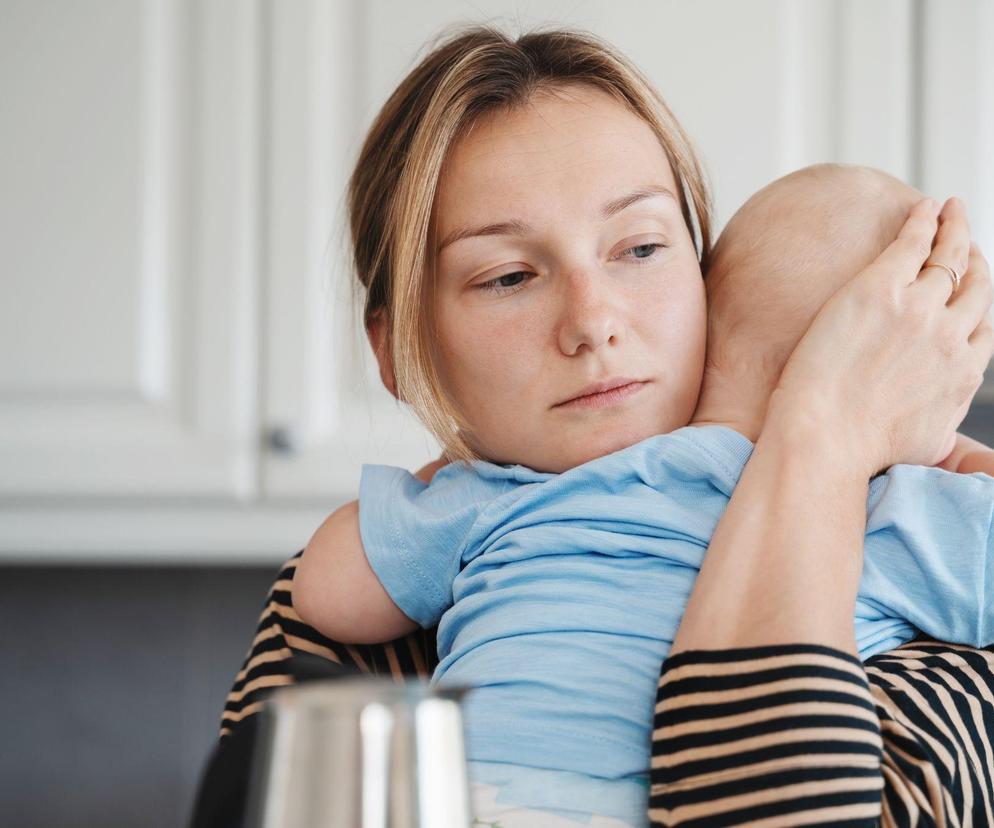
point(779, 259)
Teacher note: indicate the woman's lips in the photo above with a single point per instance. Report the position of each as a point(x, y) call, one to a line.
point(605, 398)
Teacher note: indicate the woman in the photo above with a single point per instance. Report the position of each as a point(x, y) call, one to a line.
point(888, 340)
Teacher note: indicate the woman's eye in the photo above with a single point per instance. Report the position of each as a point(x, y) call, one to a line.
point(499, 285)
point(643, 251)
point(513, 282)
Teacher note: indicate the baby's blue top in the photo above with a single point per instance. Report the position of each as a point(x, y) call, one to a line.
point(558, 595)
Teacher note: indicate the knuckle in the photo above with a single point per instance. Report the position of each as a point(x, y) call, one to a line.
point(961, 255)
point(983, 338)
point(971, 385)
point(977, 265)
point(981, 266)
point(974, 377)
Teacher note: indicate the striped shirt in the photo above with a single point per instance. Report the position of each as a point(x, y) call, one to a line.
point(780, 735)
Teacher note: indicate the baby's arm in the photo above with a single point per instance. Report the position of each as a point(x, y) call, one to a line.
point(968, 456)
point(928, 543)
point(978, 461)
point(336, 591)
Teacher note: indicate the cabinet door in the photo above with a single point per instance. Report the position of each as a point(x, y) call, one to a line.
point(128, 191)
point(326, 412)
point(762, 87)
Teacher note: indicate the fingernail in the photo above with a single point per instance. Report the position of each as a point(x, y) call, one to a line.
point(933, 205)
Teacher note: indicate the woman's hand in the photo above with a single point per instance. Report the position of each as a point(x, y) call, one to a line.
point(883, 374)
point(888, 367)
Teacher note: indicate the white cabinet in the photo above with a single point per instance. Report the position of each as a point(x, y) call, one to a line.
point(183, 372)
point(128, 334)
point(324, 408)
point(130, 214)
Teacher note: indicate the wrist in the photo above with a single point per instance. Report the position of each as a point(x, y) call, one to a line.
point(803, 431)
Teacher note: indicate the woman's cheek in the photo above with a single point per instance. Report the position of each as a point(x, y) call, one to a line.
point(488, 359)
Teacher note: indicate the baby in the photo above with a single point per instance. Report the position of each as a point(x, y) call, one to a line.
point(779, 259)
point(557, 596)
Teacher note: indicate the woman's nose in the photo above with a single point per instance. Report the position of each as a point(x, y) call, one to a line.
point(590, 314)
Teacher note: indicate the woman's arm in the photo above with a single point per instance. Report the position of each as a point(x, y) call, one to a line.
point(785, 733)
point(763, 712)
point(784, 562)
point(879, 378)
point(800, 735)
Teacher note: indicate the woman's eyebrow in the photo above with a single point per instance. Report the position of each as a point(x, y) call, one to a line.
point(628, 199)
point(519, 228)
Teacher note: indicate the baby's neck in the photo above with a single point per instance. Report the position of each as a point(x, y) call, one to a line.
point(737, 404)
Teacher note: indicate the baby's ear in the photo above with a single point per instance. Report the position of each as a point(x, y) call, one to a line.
point(378, 332)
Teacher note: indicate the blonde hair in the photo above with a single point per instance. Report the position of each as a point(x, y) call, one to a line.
point(472, 72)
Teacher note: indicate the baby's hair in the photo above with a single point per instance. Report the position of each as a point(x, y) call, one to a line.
point(472, 72)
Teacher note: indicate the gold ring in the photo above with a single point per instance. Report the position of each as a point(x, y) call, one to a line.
point(952, 273)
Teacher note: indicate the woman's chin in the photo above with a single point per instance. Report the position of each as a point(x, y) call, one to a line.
point(585, 448)
point(563, 446)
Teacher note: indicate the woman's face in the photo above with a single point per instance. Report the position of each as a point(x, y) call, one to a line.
point(585, 272)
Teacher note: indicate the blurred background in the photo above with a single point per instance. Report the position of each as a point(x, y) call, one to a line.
point(185, 390)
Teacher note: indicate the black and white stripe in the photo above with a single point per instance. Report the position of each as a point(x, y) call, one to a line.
point(779, 735)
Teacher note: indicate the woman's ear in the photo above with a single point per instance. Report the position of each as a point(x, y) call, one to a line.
point(379, 338)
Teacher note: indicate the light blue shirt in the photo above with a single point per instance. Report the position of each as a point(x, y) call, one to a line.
point(558, 595)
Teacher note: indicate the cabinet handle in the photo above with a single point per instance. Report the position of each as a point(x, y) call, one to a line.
point(282, 440)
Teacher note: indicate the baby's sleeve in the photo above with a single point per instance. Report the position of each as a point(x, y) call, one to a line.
point(413, 533)
point(927, 557)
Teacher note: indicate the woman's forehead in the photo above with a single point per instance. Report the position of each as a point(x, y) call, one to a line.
point(554, 153)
